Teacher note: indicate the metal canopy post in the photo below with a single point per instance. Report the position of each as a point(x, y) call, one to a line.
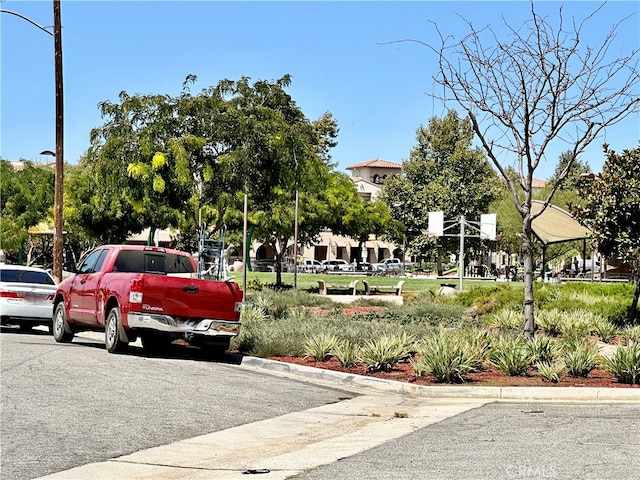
point(461, 256)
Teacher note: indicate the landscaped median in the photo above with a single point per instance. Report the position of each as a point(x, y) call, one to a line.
point(468, 391)
point(473, 340)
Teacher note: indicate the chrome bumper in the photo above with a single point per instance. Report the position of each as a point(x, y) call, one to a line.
point(164, 323)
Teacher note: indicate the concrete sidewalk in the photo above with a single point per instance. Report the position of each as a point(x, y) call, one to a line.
point(280, 447)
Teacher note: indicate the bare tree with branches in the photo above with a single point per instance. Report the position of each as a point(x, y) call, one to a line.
point(541, 85)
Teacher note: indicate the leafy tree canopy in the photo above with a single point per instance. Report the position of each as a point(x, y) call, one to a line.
point(27, 200)
point(163, 161)
point(612, 210)
point(443, 173)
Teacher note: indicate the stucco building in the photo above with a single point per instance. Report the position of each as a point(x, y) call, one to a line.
point(368, 177)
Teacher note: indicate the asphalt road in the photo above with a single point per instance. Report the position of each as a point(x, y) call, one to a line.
point(64, 405)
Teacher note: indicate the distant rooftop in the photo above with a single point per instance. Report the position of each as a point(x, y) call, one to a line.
point(536, 183)
point(377, 163)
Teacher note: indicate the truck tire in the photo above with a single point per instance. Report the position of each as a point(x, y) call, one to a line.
point(112, 326)
point(62, 332)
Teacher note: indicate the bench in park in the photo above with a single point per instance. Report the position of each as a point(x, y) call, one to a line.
point(383, 289)
point(324, 289)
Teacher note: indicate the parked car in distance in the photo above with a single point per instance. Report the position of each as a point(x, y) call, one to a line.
point(336, 265)
point(26, 296)
point(387, 265)
point(310, 266)
point(361, 267)
point(585, 265)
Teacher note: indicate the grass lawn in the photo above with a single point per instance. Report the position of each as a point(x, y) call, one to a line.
point(309, 281)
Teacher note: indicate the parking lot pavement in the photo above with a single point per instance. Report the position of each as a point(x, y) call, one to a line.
point(508, 441)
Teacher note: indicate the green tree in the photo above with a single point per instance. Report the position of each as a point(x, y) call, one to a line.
point(304, 167)
point(570, 181)
point(612, 209)
point(162, 161)
point(27, 200)
point(510, 220)
point(365, 218)
point(541, 86)
point(443, 173)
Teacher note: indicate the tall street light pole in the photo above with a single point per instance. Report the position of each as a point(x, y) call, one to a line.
point(59, 155)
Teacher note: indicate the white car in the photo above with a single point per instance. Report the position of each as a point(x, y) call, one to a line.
point(26, 296)
point(387, 265)
point(336, 265)
point(310, 266)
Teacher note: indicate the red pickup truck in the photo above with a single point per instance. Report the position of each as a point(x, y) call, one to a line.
point(153, 293)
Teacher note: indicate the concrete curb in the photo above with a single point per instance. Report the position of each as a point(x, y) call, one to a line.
point(348, 380)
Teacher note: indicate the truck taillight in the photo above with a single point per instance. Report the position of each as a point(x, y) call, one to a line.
point(135, 291)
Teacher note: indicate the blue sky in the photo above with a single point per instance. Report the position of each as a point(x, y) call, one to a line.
point(341, 56)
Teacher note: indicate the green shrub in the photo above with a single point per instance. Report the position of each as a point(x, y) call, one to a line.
point(608, 300)
point(300, 314)
point(434, 314)
point(262, 301)
point(485, 305)
point(445, 356)
point(625, 363)
point(506, 319)
point(543, 349)
point(550, 321)
point(281, 337)
point(630, 334)
point(551, 372)
point(254, 285)
point(580, 357)
point(503, 293)
point(511, 356)
point(252, 313)
point(577, 324)
point(382, 354)
point(346, 352)
point(478, 344)
point(605, 330)
point(248, 338)
point(320, 347)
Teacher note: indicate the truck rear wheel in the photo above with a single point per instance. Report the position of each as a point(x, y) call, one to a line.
point(112, 340)
point(62, 332)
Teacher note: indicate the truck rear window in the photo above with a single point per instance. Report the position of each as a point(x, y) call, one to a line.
point(139, 261)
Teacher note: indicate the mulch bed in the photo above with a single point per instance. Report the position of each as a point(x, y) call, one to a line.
point(403, 372)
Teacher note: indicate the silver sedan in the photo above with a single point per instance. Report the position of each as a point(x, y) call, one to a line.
point(26, 296)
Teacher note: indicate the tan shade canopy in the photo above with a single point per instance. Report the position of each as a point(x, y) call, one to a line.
point(556, 225)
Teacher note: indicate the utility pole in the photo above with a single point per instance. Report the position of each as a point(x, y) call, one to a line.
point(58, 196)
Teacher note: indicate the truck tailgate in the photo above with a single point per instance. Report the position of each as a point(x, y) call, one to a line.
point(190, 298)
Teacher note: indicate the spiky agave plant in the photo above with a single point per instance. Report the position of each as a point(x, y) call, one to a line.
point(625, 363)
